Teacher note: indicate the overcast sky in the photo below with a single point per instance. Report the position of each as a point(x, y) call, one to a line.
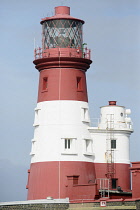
point(112, 32)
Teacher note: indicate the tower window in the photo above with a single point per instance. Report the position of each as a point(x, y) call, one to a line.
point(79, 84)
point(45, 83)
point(68, 146)
point(67, 143)
point(33, 148)
point(88, 147)
point(36, 120)
point(85, 114)
point(113, 144)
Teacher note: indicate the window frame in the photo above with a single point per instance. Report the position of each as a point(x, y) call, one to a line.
point(69, 146)
point(37, 116)
point(113, 144)
point(45, 84)
point(33, 148)
point(79, 85)
point(88, 147)
point(85, 114)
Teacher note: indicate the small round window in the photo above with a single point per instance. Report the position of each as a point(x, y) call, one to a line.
point(121, 114)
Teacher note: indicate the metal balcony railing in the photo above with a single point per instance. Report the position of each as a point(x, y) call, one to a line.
point(61, 52)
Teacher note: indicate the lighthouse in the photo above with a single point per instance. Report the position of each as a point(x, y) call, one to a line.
point(70, 158)
point(62, 148)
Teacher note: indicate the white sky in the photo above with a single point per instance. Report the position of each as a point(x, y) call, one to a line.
point(111, 31)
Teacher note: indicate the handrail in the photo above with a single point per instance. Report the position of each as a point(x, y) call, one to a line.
point(61, 52)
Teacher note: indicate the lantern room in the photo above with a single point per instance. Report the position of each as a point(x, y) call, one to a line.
point(62, 30)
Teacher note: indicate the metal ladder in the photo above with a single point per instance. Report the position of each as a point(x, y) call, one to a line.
point(109, 151)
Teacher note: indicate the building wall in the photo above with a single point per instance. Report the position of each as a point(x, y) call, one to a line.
point(100, 140)
point(135, 171)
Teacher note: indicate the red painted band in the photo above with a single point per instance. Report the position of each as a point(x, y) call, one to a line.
point(62, 84)
point(52, 178)
point(57, 179)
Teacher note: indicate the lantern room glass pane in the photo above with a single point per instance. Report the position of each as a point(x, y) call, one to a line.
point(62, 33)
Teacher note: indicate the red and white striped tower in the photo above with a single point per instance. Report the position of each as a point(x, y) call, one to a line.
point(62, 146)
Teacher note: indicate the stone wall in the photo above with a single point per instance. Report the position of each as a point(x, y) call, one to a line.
point(138, 204)
point(36, 206)
point(129, 205)
point(46, 204)
point(123, 205)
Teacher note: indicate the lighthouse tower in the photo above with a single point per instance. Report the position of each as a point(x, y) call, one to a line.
point(62, 149)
